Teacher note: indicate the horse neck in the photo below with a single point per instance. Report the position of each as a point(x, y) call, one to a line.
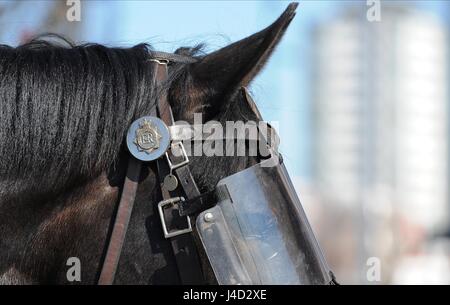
point(72, 224)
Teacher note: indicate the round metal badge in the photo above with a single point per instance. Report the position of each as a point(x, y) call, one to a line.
point(148, 138)
point(170, 182)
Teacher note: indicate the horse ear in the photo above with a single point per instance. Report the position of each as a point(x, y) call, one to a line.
point(225, 70)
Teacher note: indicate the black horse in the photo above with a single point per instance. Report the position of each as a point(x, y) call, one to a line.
point(64, 113)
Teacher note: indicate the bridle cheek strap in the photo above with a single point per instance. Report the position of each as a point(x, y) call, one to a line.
point(183, 245)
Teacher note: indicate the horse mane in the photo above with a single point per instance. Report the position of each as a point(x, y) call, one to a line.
point(65, 108)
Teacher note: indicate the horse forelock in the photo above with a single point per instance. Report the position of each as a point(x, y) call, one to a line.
point(64, 109)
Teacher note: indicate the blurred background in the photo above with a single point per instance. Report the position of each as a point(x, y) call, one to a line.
point(361, 98)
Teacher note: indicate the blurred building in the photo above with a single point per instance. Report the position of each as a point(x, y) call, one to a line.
point(381, 141)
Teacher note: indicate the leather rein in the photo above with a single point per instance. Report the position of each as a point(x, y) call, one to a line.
point(178, 188)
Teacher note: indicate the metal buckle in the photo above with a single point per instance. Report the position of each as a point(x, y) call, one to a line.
point(184, 154)
point(171, 202)
point(160, 61)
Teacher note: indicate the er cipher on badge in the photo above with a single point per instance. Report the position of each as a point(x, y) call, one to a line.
point(148, 138)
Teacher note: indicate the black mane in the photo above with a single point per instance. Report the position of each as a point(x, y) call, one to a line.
point(64, 109)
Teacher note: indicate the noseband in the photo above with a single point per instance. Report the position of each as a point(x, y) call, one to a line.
point(177, 185)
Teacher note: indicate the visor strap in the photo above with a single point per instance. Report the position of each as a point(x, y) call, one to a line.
point(204, 201)
point(197, 204)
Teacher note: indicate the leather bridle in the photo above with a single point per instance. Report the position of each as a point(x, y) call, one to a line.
point(176, 196)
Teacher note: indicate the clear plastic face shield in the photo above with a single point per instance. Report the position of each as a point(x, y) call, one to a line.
point(258, 233)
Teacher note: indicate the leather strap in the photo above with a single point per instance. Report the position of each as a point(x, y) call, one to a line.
point(164, 109)
point(184, 247)
point(171, 57)
point(122, 219)
point(121, 223)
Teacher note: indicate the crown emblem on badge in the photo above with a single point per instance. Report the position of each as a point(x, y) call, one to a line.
point(147, 137)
